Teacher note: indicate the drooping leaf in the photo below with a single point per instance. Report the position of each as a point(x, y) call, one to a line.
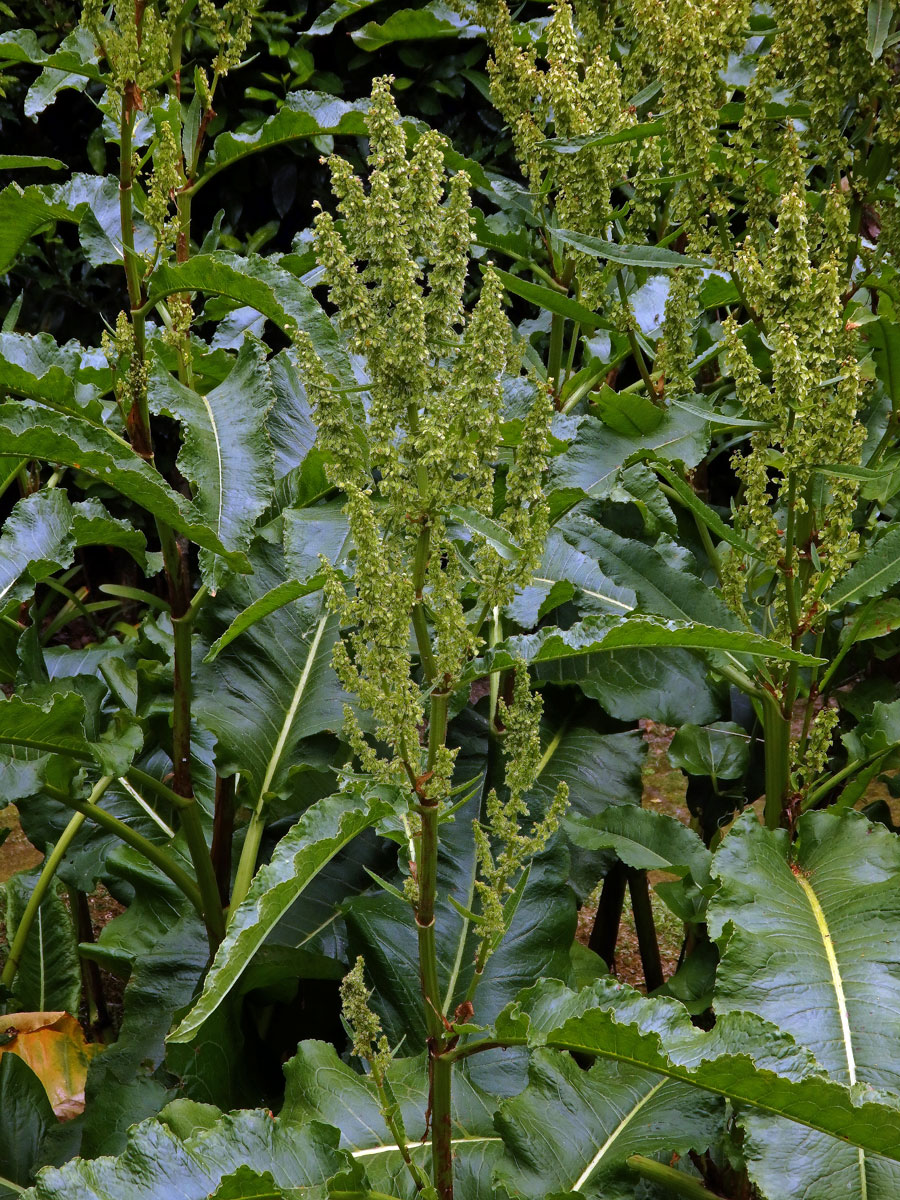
point(68, 440)
point(644, 839)
point(572, 1130)
point(324, 829)
point(598, 634)
point(302, 114)
point(54, 1047)
point(335, 13)
point(809, 943)
point(277, 597)
point(225, 453)
point(566, 573)
point(79, 52)
point(263, 285)
point(656, 258)
point(435, 20)
point(37, 539)
point(721, 751)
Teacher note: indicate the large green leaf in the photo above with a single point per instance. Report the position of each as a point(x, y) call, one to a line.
point(435, 20)
point(742, 1057)
point(593, 460)
point(64, 377)
point(27, 1116)
point(272, 688)
point(302, 114)
point(567, 573)
point(37, 432)
point(810, 942)
point(37, 539)
point(643, 839)
point(660, 577)
point(261, 284)
point(321, 1087)
point(599, 634)
point(162, 1162)
point(323, 830)
point(225, 453)
point(572, 1130)
point(48, 978)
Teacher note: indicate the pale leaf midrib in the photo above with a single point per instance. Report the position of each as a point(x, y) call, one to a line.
point(626, 1120)
point(841, 999)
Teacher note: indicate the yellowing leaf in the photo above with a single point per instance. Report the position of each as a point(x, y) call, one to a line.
point(53, 1045)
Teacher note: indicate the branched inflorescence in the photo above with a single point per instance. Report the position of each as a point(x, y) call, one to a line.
point(800, 518)
point(396, 262)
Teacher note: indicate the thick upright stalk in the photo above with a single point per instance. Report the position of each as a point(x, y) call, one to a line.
point(223, 834)
point(555, 354)
point(776, 732)
point(43, 885)
point(440, 1068)
point(420, 625)
point(605, 930)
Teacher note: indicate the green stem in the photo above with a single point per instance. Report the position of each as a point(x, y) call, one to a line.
point(51, 865)
point(441, 1129)
point(139, 413)
point(213, 917)
point(153, 853)
point(554, 357)
point(669, 1178)
point(20, 1191)
point(776, 732)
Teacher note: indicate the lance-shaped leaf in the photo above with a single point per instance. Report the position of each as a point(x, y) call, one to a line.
point(656, 258)
point(743, 1057)
point(810, 941)
point(261, 284)
point(596, 634)
point(225, 454)
point(41, 433)
point(303, 114)
point(190, 1149)
point(37, 538)
point(572, 1130)
point(872, 575)
point(322, 1087)
point(324, 829)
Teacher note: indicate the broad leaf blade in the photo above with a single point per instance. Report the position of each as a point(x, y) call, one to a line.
point(811, 945)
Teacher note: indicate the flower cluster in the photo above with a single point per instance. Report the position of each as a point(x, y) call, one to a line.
point(500, 844)
point(396, 262)
point(799, 517)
